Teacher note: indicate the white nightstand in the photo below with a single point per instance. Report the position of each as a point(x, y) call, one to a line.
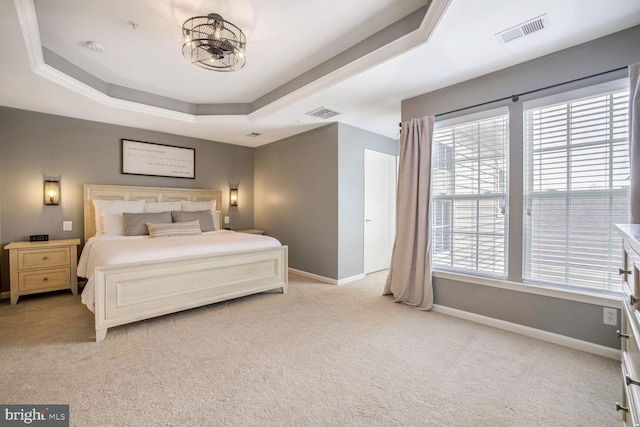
point(36, 267)
point(250, 231)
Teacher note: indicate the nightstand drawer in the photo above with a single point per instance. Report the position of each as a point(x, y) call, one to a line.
point(42, 267)
point(43, 258)
point(50, 279)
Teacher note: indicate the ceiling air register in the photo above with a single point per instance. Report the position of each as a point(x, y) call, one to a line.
point(215, 44)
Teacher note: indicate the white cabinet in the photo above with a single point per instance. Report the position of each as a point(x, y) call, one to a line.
point(630, 325)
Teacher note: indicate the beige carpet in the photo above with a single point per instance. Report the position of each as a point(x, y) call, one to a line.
point(320, 355)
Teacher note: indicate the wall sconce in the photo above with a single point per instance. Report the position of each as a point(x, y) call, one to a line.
point(51, 193)
point(233, 197)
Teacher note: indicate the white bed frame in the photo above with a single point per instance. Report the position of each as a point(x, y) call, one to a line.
point(128, 293)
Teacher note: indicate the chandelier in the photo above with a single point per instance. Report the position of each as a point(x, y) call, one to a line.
point(211, 42)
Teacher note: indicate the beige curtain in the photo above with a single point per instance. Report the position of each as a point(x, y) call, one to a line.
point(634, 140)
point(409, 279)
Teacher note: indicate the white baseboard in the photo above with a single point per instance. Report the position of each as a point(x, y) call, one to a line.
point(551, 337)
point(327, 279)
point(351, 279)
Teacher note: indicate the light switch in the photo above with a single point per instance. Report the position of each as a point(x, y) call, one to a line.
point(67, 225)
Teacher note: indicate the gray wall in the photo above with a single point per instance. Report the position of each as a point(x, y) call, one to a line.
point(34, 146)
point(573, 319)
point(611, 52)
point(310, 195)
point(296, 182)
point(569, 318)
point(352, 143)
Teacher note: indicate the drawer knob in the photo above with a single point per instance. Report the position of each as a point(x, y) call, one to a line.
point(621, 335)
point(621, 271)
point(619, 407)
point(44, 258)
point(45, 279)
point(631, 381)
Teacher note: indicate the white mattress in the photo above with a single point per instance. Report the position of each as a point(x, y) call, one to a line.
point(109, 250)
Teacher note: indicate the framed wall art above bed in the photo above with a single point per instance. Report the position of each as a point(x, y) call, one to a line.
point(147, 158)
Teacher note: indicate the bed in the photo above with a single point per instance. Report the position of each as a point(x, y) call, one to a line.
point(132, 278)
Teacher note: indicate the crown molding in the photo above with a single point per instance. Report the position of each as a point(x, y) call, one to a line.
point(399, 37)
point(29, 25)
point(431, 15)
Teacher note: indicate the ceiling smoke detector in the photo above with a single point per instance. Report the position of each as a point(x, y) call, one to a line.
point(531, 26)
point(253, 134)
point(323, 113)
point(95, 46)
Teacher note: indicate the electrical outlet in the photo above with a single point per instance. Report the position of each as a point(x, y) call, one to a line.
point(226, 220)
point(610, 316)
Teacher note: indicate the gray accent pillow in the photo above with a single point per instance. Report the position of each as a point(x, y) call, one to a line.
point(205, 218)
point(135, 224)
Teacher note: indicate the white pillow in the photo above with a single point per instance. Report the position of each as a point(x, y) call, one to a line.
point(116, 207)
point(198, 206)
point(155, 207)
point(113, 224)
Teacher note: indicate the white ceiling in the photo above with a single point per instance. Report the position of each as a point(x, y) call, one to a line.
point(285, 38)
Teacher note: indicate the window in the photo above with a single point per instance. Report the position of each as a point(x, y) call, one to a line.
point(469, 194)
point(576, 186)
point(441, 227)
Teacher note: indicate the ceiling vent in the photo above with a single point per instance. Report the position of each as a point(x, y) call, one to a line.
point(531, 26)
point(323, 113)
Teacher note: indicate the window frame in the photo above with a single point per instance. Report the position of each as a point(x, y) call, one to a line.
point(437, 200)
point(514, 281)
point(570, 195)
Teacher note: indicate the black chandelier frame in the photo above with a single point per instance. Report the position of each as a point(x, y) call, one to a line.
point(211, 42)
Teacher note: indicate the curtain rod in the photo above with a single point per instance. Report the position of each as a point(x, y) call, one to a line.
point(517, 96)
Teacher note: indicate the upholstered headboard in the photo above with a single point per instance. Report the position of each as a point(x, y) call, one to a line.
point(150, 194)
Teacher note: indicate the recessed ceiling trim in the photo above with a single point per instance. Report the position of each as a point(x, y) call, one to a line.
point(29, 25)
point(431, 15)
point(70, 83)
point(435, 12)
point(384, 45)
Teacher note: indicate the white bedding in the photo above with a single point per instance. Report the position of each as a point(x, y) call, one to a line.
point(112, 249)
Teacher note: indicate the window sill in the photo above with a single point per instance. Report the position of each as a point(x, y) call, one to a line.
point(577, 296)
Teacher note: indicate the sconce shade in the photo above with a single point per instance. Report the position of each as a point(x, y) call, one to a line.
point(233, 197)
point(51, 193)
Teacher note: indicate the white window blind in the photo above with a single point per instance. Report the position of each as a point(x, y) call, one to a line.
point(469, 195)
point(576, 186)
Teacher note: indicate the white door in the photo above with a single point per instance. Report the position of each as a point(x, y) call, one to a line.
point(379, 209)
